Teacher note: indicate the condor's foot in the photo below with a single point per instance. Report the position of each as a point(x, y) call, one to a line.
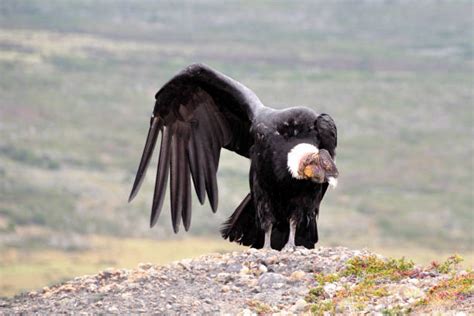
point(289, 247)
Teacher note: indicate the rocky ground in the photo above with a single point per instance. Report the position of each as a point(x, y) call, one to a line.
point(320, 281)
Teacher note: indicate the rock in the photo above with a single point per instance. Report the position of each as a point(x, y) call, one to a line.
point(406, 291)
point(145, 266)
point(224, 277)
point(112, 309)
point(234, 268)
point(413, 281)
point(271, 280)
point(272, 260)
point(299, 306)
point(244, 270)
point(297, 275)
point(262, 268)
point(330, 289)
point(246, 312)
point(379, 307)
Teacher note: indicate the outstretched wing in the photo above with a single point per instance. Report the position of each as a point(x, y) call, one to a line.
point(199, 111)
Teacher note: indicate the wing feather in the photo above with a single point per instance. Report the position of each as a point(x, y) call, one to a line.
point(161, 176)
point(211, 181)
point(155, 126)
point(196, 165)
point(176, 185)
point(186, 196)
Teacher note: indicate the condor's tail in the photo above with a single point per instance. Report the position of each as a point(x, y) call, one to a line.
point(241, 227)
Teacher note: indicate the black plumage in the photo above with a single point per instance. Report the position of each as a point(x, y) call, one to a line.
point(199, 112)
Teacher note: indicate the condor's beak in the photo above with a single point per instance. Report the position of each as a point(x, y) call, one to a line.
point(314, 173)
point(308, 172)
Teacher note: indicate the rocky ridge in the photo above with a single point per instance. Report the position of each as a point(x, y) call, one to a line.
point(320, 281)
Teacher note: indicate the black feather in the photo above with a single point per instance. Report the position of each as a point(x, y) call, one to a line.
point(161, 176)
point(155, 125)
point(177, 178)
point(241, 226)
point(185, 184)
point(196, 164)
point(211, 181)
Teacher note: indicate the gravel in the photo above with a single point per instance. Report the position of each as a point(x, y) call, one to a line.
point(248, 282)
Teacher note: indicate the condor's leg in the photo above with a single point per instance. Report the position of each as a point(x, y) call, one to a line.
point(268, 238)
point(290, 245)
point(263, 206)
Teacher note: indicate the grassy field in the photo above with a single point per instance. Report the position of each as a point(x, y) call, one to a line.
point(77, 84)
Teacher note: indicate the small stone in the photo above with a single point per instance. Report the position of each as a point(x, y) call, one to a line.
point(413, 281)
point(251, 282)
point(246, 312)
point(234, 268)
point(272, 260)
point(223, 277)
point(406, 291)
point(305, 251)
point(297, 275)
point(109, 273)
point(379, 307)
point(299, 306)
point(225, 288)
point(244, 270)
point(145, 266)
point(113, 309)
point(271, 279)
point(262, 268)
point(330, 289)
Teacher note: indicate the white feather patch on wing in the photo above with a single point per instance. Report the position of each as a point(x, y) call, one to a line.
point(332, 182)
point(296, 154)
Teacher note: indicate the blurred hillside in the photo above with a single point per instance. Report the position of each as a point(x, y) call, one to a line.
point(78, 79)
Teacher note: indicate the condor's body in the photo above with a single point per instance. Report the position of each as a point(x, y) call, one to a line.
point(291, 151)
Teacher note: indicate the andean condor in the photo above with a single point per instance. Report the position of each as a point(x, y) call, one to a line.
point(198, 112)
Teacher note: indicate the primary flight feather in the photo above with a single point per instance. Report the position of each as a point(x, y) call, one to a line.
point(199, 112)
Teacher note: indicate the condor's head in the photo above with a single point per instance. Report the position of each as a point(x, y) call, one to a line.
point(307, 162)
point(313, 140)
